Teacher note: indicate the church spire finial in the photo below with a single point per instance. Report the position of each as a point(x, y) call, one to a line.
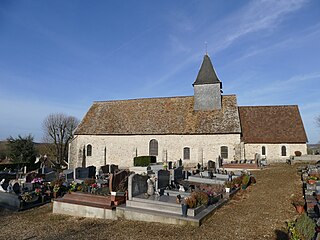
point(206, 46)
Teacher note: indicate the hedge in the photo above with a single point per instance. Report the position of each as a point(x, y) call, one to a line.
point(144, 161)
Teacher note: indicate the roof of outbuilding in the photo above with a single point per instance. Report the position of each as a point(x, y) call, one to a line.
point(272, 124)
point(173, 115)
point(206, 74)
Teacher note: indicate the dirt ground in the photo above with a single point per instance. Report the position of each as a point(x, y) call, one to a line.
point(259, 212)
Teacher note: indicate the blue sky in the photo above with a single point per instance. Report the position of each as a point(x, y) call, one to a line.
point(60, 56)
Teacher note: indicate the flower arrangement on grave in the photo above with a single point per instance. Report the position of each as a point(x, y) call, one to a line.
point(89, 181)
point(37, 180)
point(237, 181)
point(73, 187)
point(229, 184)
point(38, 191)
point(56, 188)
point(26, 196)
point(190, 201)
point(94, 187)
point(200, 197)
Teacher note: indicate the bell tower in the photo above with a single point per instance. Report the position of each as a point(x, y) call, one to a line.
point(207, 88)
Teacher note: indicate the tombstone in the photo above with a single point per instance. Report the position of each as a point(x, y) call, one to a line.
point(257, 159)
point(2, 188)
point(118, 178)
point(163, 179)
point(91, 172)
point(69, 175)
point(207, 174)
point(186, 174)
point(137, 184)
point(105, 169)
point(81, 173)
point(178, 174)
point(211, 165)
point(170, 165)
point(28, 186)
point(30, 176)
point(150, 183)
point(16, 188)
point(113, 168)
point(179, 163)
point(51, 176)
point(219, 162)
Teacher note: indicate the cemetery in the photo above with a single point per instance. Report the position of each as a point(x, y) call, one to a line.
point(149, 191)
point(264, 204)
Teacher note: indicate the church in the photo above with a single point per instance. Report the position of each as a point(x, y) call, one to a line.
point(194, 128)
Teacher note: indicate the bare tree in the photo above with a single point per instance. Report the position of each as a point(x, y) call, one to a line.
point(58, 129)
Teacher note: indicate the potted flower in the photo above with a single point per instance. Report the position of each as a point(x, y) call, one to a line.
point(228, 186)
point(298, 203)
point(56, 189)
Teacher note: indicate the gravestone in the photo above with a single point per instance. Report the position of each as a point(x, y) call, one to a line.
point(178, 174)
point(82, 173)
point(211, 165)
point(116, 179)
point(28, 186)
point(16, 188)
point(91, 172)
point(186, 174)
point(69, 175)
point(219, 162)
point(179, 163)
point(207, 174)
point(137, 184)
point(113, 168)
point(105, 169)
point(51, 176)
point(163, 179)
point(170, 165)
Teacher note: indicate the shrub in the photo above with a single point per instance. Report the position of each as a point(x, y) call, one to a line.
point(245, 180)
point(144, 161)
point(305, 226)
point(297, 153)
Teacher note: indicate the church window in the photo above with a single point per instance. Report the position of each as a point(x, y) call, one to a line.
point(153, 147)
point(224, 151)
point(283, 151)
point(89, 150)
point(263, 150)
point(186, 153)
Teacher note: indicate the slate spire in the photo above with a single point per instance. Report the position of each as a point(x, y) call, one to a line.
point(206, 74)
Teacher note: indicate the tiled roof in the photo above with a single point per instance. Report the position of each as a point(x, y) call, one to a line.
point(174, 115)
point(272, 124)
point(206, 74)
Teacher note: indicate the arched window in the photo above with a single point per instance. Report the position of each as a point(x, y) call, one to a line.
point(153, 147)
point(186, 153)
point(263, 150)
point(224, 151)
point(89, 150)
point(283, 151)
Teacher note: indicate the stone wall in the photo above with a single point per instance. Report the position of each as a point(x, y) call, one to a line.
point(120, 150)
point(273, 151)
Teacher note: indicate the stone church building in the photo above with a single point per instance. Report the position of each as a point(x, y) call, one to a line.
point(195, 128)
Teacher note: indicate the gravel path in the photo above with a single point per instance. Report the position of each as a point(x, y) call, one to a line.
point(260, 212)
